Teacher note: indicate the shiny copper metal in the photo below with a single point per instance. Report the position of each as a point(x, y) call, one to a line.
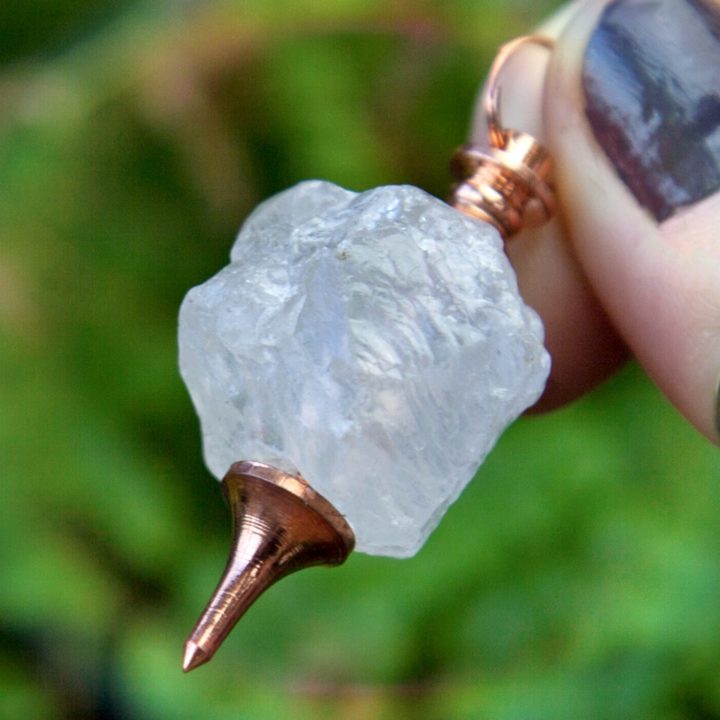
point(280, 525)
point(507, 182)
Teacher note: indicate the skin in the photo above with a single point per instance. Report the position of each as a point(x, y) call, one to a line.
point(607, 279)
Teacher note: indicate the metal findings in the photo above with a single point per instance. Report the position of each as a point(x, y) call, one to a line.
point(280, 525)
point(507, 182)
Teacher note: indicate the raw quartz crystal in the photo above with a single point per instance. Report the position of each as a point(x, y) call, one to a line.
point(375, 343)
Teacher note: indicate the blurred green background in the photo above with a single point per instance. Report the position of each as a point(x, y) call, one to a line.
point(577, 577)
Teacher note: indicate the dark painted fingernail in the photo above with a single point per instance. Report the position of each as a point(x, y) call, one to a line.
point(652, 86)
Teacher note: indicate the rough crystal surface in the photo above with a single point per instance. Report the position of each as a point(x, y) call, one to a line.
point(375, 342)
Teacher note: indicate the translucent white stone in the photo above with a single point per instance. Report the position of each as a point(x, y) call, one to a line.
point(375, 342)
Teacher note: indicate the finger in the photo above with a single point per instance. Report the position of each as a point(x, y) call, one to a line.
point(632, 116)
point(583, 346)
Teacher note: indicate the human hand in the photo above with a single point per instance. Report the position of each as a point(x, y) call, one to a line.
point(630, 109)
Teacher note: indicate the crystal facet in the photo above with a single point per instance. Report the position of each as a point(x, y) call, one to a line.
point(375, 342)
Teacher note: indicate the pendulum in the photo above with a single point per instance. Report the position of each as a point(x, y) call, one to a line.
point(358, 358)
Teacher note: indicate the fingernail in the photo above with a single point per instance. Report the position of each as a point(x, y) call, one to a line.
point(651, 78)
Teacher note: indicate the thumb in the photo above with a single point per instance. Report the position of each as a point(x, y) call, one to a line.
point(632, 117)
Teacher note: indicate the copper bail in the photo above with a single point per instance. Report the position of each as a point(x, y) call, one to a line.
point(507, 183)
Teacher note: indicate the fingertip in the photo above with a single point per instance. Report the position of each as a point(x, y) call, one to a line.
point(641, 225)
point(584, 348)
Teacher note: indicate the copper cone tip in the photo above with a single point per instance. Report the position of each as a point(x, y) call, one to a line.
point(194, 656)
point(280, 525)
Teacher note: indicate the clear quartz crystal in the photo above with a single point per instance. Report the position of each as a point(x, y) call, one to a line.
point(374, 342)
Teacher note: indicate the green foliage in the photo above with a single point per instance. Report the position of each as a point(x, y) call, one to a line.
point(576, 578)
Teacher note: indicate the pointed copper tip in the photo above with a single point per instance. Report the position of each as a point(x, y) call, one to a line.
point(280, 525)
point(194, 656)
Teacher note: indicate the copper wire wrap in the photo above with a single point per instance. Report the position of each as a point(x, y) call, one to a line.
point(507, 182)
